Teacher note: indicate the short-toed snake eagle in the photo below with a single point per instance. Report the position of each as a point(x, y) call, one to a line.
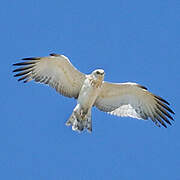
point(120, 99)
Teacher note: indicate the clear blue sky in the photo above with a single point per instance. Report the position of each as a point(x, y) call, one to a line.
point(136, 41)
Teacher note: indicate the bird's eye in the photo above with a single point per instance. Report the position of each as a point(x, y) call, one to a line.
point(98, 72)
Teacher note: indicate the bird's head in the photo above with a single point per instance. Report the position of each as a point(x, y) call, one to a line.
point(98, 73)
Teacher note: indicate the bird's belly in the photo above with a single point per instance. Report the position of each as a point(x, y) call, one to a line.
point(88, 95)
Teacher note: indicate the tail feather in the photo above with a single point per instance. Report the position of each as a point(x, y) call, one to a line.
point(78, 123)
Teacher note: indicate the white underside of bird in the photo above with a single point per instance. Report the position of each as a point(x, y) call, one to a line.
point(120, 99)
point(81, 116)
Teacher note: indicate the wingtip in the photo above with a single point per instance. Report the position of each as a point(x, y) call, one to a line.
point(164, 125)
point(16, 64)
point(31, 58)
point(161, 99)
point(172, 112)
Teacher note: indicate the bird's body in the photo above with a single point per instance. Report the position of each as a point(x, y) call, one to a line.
point(89, 91)
point(81, 116)
point(121, 99)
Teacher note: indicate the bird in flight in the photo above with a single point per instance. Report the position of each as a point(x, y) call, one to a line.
point(120, 99)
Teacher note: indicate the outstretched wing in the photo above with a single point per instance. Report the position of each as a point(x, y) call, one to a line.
point(133, 100)
point(54, 70)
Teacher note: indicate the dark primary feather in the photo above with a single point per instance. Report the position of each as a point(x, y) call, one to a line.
point(162, 116)
point(160, 120)
point(24, 63)
point(22, 73)
point(23, 77)
point(161, 111)
point(161, 99)
point(164, 106)
point(164, 112)
point(25, 68)
point(31, 58)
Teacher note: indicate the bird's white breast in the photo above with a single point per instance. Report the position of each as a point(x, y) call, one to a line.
point(88, 94)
